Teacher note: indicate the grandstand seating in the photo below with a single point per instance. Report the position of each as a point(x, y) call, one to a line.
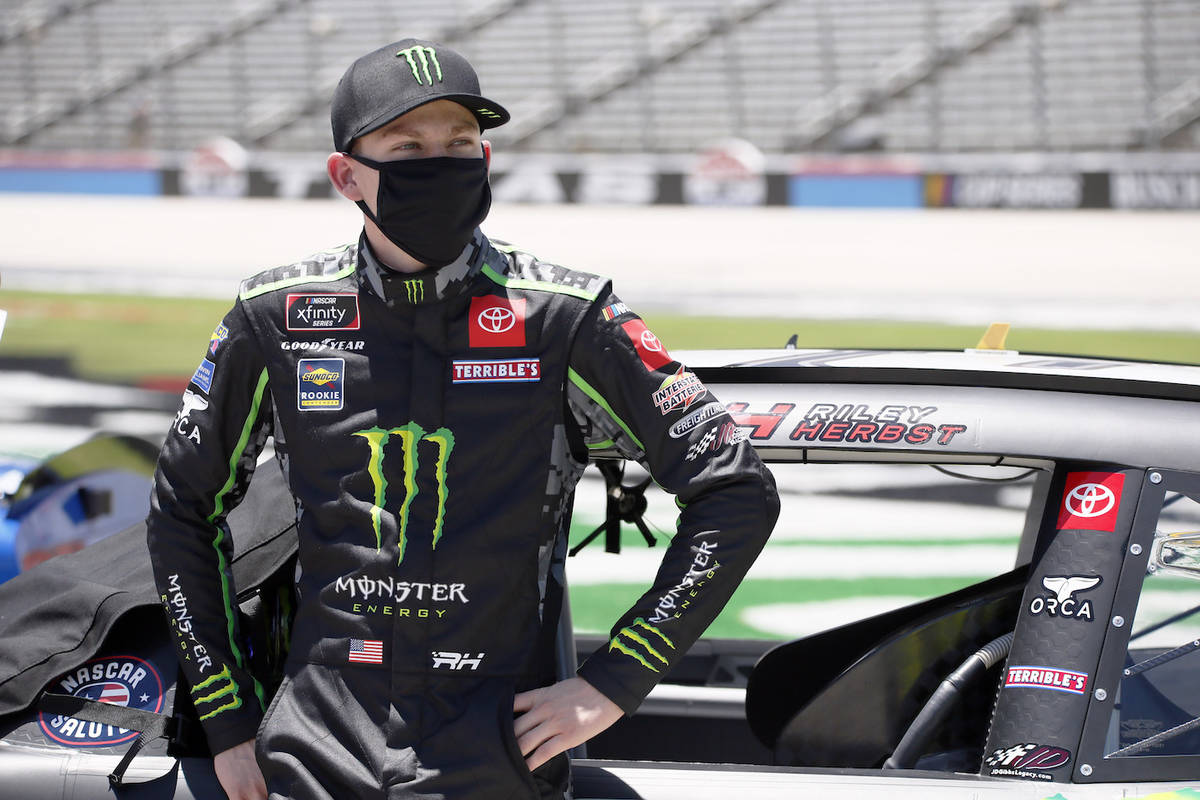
point(620, 75)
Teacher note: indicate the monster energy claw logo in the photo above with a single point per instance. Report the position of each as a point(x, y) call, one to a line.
point(630, 633)
point(225, 686)
point(415, 289)
point(410, 435)
point(419, 58)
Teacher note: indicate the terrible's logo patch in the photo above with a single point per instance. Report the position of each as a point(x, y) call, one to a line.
point(320, 384)
point(120, 680)
point(501, 370)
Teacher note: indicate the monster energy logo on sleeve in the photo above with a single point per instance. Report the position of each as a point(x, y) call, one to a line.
point(640, 642)
point(410, 436)
point(414, 288)
point(223, 686)
point(419, 58)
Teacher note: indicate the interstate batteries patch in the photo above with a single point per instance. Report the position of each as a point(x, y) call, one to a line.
point(320, 384)
point(120, 680)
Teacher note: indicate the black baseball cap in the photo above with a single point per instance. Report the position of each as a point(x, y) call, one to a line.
point(395, 79)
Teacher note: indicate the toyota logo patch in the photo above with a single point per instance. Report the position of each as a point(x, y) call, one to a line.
point(1091, 501)
point(496, 319)
point(496, 322)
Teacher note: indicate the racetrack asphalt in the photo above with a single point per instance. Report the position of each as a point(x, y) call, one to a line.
point(1091, 269)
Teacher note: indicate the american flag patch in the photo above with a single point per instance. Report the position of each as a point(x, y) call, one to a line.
point(366, 651)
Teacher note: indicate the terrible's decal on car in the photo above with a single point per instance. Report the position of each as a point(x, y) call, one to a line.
point(1062, 600)
point(1060, 680)
point(323, 312)
point(120, 680)
point(649, 349)
point(1027, 760)
point(1091, 501)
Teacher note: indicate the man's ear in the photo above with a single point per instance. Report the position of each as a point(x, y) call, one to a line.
point(341, 174)
point(487, 153)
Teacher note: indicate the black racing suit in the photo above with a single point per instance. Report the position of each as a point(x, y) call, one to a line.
point(432, 428)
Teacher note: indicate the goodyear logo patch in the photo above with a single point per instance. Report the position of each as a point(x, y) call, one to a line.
point(320, 384)
point(204, 375)
point(121, 680)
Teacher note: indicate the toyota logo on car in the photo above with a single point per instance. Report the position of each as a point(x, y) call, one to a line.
point(1090, 500)
point(496, 319)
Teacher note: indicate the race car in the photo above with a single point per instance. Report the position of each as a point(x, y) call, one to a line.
point(1062, 666)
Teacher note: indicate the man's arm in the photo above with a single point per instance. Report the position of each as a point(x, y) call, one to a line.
point(625, 388)
point(203, 470)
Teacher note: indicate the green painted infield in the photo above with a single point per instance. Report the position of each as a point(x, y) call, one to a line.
point(133, 339)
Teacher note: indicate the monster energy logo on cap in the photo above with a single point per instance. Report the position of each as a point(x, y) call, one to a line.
point(414, 289)
point(392, 80)
point(419, 59)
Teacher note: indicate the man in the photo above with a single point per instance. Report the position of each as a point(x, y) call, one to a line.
point(432, 397)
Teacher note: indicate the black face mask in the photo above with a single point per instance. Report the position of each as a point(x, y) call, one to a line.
point(430, 207)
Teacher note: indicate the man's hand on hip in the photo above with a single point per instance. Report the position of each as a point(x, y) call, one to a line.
point(560, 716)
point(238, 772)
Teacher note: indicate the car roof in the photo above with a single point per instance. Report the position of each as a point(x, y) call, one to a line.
point(972, 406)
point(1007, 368)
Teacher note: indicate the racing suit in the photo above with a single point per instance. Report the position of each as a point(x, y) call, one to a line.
point(431, 427)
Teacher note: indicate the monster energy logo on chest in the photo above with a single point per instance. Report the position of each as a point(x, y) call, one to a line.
point(414, 289)
point(410, 436)
point(419, 59)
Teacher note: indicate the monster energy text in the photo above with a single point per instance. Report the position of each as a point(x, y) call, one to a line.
point(419, 58)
